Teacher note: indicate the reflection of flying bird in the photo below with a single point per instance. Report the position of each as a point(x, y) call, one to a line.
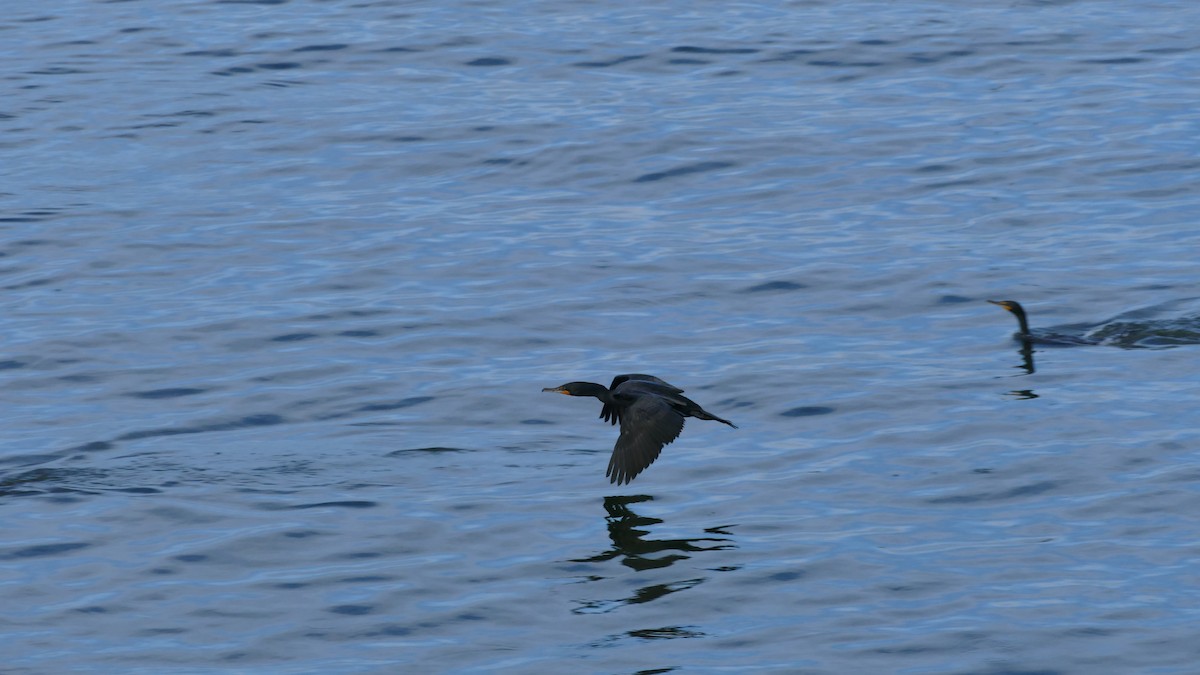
point(650, 412)
point(1042, 337)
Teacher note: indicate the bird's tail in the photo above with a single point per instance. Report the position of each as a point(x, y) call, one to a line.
point(705, 415)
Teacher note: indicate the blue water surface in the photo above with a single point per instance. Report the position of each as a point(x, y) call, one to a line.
point(283, 281)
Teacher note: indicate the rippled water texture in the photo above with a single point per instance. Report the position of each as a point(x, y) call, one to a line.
point(283, 282)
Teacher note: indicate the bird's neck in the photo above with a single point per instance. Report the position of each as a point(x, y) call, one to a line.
point(598, 390)
point(1024, 323)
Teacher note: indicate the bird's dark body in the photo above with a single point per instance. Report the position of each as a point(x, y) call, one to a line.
point(611, 411)
point(651, 413)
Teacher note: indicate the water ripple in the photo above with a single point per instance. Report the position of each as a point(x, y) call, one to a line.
point(282, 292)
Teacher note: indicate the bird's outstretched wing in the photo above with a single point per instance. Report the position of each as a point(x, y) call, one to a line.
point(647, 424)
point(612, 414)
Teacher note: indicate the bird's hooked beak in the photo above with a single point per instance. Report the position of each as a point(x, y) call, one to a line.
point(1002, 303)
point(558, 390)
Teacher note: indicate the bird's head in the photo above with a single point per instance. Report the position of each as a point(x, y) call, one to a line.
point(579, 389)
point(1017, 310)
point(1011, 305)
point(569, 389)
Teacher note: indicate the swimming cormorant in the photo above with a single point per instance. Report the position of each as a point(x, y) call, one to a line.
point(650, 412)
point(1043, 337)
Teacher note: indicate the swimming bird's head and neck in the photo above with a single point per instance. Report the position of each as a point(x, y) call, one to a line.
point(1016, 308)
point(583, 389)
